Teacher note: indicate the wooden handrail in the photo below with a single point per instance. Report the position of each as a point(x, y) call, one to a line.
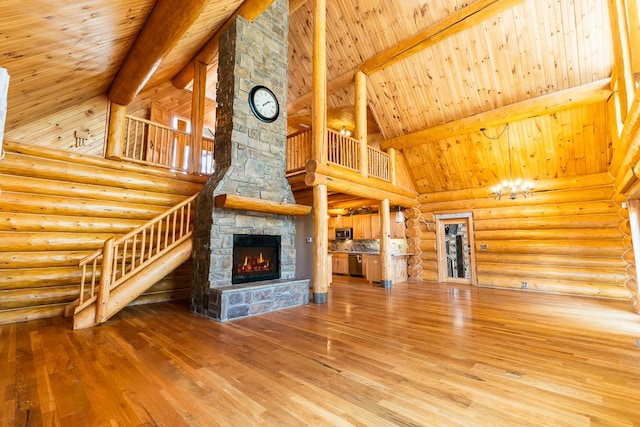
point(122, 257)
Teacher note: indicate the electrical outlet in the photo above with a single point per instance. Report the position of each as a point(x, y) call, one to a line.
point(484, 247)
point(524, 285)
point(309, 239)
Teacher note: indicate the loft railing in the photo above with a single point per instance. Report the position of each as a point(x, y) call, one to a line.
point(122, 257)
point(341, 150)
point(298, 151)
point(379, 164)
point(154, 144)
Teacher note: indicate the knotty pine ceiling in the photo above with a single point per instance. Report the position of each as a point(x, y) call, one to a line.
point(62, 57)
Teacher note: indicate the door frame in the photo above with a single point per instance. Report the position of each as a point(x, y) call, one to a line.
point(455, 218)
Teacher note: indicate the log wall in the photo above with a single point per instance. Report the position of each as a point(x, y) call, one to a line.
point(571, 237)
point(57, 207)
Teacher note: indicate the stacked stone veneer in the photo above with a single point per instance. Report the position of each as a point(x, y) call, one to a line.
point(249, 161)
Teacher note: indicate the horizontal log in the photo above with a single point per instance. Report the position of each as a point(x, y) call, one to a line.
point(428, 245)
point(609, 220)
point(429, 276)
point(34, 278)
point(556, 184)
point(23, 184)
point(565, 209)
point(557, 286)
point(360, 190)
point(27, 298)
point(551, 234)
point(57, 205)
point(17, 260)
point(231, 201)
point(567, 197)
point(65, 223)
point(14, 164)
point(121, 168)
point(586, 248)
point(31, 313)
point(534, 272)
point(336, 171)
point(24, 242)
point(557, 261)
point(429, 266)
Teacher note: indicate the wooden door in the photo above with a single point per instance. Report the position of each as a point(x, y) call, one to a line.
point(456, 261)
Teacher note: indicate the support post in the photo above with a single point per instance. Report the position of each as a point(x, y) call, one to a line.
point(361, 121)
point(115, 136)
point(319, 107)
point(197, 115)
point(385, 244)
point(320, 244)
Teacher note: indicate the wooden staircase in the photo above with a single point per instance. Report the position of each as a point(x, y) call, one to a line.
point(60, 207)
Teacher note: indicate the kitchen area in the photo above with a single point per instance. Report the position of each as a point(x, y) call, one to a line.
point(354, 246)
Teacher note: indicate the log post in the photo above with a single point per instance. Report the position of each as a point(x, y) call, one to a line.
point(385, 244)
point(197, 115)
point(319, 107)
point(102, 304)
point(392, 165)
point(320, 244)
point(361, 121)
point(115, 137)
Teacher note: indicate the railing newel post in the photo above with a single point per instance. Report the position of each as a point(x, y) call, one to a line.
point(105, 281)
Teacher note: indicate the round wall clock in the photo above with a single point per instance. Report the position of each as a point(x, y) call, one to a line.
point(264, 104)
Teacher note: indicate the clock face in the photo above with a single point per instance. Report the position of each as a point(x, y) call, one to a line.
point(264, 104)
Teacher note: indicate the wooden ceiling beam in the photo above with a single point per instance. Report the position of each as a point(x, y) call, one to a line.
point(162, 30)
point(591, 93)
point(294, 5)
point(447, 27)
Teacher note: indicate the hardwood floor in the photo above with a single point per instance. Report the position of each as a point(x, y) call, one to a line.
point(416, 354)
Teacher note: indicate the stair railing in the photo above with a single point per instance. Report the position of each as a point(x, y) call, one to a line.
point(122, 257)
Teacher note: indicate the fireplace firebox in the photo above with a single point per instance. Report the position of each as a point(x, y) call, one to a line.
point(255, 258)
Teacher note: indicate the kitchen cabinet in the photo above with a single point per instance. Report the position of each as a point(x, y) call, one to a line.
point(362, 226)
point(332, 228)
point(397, 228)
point(398, 269)
point(340, 263)
point(366, 226)
point(373, 268)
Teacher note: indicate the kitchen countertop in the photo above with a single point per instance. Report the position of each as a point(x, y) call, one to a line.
point(365, 253)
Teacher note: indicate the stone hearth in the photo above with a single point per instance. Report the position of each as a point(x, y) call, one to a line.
point(249, 161)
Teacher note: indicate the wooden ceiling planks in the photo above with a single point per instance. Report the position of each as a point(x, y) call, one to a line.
point(564, 144)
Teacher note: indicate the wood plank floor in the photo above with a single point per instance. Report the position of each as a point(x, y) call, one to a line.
point(413, 355)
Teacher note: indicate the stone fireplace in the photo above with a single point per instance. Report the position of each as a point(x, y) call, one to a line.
point(249, 162)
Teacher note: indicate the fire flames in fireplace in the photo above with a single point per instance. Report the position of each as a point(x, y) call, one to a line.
point(254, 264)
point(255, 258)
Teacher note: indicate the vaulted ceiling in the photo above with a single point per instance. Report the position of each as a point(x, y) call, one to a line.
point(437, 72)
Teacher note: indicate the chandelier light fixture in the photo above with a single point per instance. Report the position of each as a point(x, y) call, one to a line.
point(511, 187)
point(345, 132)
